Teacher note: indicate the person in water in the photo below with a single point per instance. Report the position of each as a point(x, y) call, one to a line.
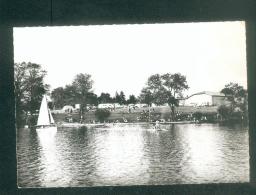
point(157, 125)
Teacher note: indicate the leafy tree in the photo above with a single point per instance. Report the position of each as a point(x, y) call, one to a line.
point(234, 90)
point(117, 98)
point(64, 96)
point(92, 98)
point(132, 100)
point(20, 89)
point(154, 92)
point(77, 93)
point(172, 102)
point(82, 85)
point(175, 84)
point(71, 95)
point(29, 88)
point(155, 86)
point(122, 98)
point(146, 96)
point(102, 114)
point(166, 88)
point(58, 96)
point(237, 95)
point(105, 98)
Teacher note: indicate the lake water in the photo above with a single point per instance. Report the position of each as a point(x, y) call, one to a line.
point(133, 155)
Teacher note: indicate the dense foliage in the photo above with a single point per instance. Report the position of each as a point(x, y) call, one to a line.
point(79, 92)
point(224, 112)
point(166, 88)
point(238, 109)
point(102, 114)
point(198, 116)
point(29, 89)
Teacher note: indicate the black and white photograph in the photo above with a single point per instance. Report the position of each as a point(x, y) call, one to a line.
point(131, 104)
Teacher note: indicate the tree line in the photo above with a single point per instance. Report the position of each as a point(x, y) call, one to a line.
point(159, 89)
point(67, 96)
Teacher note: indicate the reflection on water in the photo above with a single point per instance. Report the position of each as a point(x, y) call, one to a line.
point(49, 159)
point(133, 155)
point(120, 155)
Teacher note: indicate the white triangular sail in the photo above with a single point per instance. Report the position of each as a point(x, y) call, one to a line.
point(51, 118)
point(44, 117)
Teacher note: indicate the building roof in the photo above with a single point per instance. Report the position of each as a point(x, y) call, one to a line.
point(211, 93)
point(205, 93)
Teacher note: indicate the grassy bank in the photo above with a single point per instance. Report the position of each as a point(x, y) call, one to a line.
point(138, 114)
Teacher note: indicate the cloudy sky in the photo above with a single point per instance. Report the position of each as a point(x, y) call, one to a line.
point(122, 57)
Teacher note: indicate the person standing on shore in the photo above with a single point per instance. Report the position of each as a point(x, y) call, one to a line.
point(81, 119)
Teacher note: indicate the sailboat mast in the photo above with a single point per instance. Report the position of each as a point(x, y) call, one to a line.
point(49, 116)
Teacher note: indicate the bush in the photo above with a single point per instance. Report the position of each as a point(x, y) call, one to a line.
point(210, 117)
point(102, 114)
point(225, 112)
point(198, 115)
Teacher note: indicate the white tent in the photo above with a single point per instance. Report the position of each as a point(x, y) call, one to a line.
point(68, 108)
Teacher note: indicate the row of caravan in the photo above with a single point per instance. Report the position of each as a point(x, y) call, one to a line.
point(69, 108)
point(117, 105)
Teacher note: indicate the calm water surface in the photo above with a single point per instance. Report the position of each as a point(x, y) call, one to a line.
point(133, 155)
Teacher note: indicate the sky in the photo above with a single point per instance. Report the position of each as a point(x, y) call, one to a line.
point(122, 57)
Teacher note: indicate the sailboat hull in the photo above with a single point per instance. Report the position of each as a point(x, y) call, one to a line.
point(47, 129)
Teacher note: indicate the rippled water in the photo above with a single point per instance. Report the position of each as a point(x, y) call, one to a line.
point(133, 155)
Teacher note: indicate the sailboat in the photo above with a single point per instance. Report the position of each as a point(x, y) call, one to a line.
point(45, 120)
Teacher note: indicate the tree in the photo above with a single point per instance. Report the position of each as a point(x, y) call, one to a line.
point(82, 84)
point(132, 100)
point(172, 102)
point(175, 84)
point(234, 90)
point(64, 96)
point(92, 98)
point(225, 112)
point(71, 95)
point(155, 86)
point(105, 98)
point(122, 98)
point(154, 92)
point(29, 88)
point(237, 95)
point(166, 88)
point(79, 92)
point(102, 114)
point(20, 88)
point(146, 96)
point(58, 95)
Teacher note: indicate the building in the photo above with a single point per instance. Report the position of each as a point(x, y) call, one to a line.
point(206, 98)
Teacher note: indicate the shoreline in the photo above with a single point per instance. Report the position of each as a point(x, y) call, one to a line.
point(108, 124)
